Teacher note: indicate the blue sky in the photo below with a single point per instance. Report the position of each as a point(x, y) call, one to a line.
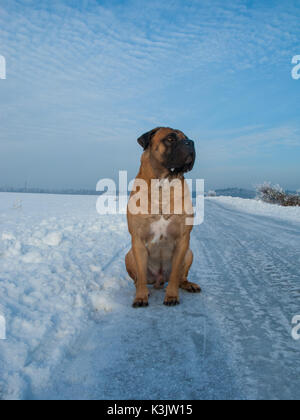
point(86, 78)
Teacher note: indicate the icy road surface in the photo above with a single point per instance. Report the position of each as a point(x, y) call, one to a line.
point(71, 331)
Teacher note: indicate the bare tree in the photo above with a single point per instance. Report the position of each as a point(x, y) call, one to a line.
point(274, 194)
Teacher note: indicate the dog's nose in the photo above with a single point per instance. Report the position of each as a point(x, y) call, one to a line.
point(189, 143)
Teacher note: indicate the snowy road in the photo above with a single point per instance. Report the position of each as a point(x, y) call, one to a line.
point(72, 334)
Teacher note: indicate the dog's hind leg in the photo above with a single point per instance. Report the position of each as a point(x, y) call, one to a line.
point(185, 284)
point(131, 266)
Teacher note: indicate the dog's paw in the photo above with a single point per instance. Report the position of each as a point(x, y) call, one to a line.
point(141, 300)
point(140, 303)
point(190, 287)
point(171, 299)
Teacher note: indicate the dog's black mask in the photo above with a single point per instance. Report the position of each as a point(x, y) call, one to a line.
point(180, 154)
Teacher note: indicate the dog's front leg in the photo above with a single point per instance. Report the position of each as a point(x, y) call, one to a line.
point(141, 257)
point(172, 292)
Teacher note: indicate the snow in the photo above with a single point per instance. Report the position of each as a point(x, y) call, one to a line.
point(258, 207)
point(72, 333)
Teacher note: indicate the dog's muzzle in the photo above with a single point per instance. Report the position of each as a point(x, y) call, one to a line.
point(191, 155)
point(184, 158)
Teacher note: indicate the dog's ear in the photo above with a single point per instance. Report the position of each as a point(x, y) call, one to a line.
point(145, 139)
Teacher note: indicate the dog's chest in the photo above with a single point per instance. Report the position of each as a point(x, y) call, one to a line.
point(161, 244)
point(159, 230)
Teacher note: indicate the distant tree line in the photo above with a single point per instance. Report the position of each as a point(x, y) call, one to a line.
point(231, 192)
point(68, 191)
point(266, 192)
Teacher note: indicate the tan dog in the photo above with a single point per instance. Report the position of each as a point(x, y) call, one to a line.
point(161, 240)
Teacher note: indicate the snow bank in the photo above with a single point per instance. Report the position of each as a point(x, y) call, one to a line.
point(258, 207)
point(54, 255)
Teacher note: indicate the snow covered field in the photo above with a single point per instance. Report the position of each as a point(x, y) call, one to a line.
point(71, 331)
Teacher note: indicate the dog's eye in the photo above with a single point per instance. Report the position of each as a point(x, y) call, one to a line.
point(170, 139)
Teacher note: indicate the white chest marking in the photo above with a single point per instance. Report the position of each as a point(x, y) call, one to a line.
point(159, 229)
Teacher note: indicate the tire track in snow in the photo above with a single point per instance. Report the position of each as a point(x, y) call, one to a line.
point(251, 308)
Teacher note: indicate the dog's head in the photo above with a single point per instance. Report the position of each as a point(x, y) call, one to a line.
point(172, 149)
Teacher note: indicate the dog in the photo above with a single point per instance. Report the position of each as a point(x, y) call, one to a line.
point(160, 250)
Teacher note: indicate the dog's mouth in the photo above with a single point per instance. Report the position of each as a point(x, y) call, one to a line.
point(187, 166)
